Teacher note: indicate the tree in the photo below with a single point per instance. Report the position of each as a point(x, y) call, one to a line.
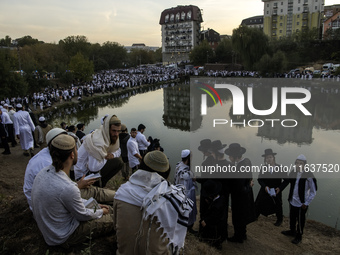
point(114, 54)
point(74, 44)
point(250, 43)
point(12, 83)
point(26, 40)
point(81, 67)
point(224, 51)
point(269, 66)
point(201, 54)
point(6, 41)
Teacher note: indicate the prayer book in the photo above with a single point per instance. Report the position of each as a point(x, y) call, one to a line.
point(92, 176)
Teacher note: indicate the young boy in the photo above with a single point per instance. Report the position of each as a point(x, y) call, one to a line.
point(302, 191)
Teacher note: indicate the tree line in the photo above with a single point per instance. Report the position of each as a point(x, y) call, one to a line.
point(73, 58)
point(254, 50)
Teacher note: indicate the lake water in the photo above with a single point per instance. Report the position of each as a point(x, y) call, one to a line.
point(165, 111)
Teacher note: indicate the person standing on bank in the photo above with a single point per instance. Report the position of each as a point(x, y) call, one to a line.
point(184, 176)
point(269, 198)
point(242, 200)
point(143, 144)
point(24, 128)
point(40, 132)
point(302, 191)
point(124, 137)
point(217, 151)
point(133, 152)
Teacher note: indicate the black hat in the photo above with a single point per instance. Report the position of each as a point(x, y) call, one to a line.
point(211, 188)
point(268, 152)
point(235, 149)
point(217, 145)
point(204, 145)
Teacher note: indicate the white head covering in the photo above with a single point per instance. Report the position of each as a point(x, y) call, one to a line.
point(185, 153)
point(301, 157)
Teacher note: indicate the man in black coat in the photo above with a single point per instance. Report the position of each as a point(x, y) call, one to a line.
point(242, 198)
point(271, 179)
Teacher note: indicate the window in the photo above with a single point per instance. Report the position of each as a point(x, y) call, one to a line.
point(182, 15)
point(298, 16)
point(298, 9)
point(299, 1)
point(267, 12)
point(177, 17)
point(280, 31)
point(172, 18)
point(281, 17)
point(281, 3)
point(281, 10)
point(189, 15)
point(267, 5)
point(316, 7)
point(297, 23)
point(281, 24)
point(166, 18)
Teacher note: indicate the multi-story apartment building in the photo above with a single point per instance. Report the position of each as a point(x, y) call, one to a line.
point(253, 22)
point(285, 17)
point(181, 27)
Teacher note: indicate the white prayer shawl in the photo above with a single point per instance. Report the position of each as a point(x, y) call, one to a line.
point(98, 143)
point(157, 198)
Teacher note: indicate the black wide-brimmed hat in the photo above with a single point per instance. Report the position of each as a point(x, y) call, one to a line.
point(235, 149)
point(268, 152)
point(211, 188)
point(204, 145)
point(217, 145)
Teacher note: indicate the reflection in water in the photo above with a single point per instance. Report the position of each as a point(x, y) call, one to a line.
point(86, 111)
point(177, 107)
point(324, 106)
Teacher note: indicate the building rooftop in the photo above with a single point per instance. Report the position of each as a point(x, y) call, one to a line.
point(181, 13)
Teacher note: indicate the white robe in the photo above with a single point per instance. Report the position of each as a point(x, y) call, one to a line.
point(24, 127)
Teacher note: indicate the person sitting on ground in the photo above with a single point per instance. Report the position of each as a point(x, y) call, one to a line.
point(40, 132)
point(155, 211)
point(57, 205)
point(43, 159)
point(100, 152)
point(302, 191)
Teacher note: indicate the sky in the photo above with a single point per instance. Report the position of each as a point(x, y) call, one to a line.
point(124, 22)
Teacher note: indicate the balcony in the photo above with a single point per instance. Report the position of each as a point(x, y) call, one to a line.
point(305, 16)
point(305, 9)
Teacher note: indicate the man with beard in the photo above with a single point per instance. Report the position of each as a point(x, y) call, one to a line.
point(242, 198)
point(58, 208)
point(100, 152)
point(40, 132)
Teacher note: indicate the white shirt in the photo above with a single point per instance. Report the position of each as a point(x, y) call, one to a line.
point(142, 142)
point(88, 163)
point(310, 191)
point(57, 206)
point(38, 162)
point(132, 148)
point(5, 118)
